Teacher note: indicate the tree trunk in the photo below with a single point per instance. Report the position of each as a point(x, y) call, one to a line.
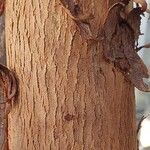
point(70, 97)
point(3, 119)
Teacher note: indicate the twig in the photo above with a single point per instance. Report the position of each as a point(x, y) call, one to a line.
point(140, 123)
point(144, 46)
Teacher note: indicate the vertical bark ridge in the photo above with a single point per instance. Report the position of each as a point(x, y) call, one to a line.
point(70, 97)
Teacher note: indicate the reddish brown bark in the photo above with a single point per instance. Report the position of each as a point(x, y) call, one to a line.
point(70, 97)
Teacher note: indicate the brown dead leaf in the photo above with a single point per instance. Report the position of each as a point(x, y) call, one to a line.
point(82, 20)
point(71, 8)
point(109, 29)
point(137, 70)
point(119, 43)
point(142, 3)
point(134, 20)
point(85, 30)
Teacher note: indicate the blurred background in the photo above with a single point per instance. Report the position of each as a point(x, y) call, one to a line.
point(143, 98)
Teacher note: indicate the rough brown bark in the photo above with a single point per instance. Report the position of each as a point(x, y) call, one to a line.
point(70, 97)
point(3, 119)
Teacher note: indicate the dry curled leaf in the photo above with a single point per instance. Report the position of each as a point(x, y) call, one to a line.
point(2, 2)
point(109, 29)
point(82, 20)
point(142, 3)
point(85, 30)
point(9, 84)
point(119, 43)
point(134, 20)
point(71, 8)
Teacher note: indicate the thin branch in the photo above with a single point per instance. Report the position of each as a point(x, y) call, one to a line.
point(144, 46)
point(140, 123)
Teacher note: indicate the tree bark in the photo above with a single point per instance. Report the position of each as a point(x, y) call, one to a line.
point(3, 119)
point(70, 97)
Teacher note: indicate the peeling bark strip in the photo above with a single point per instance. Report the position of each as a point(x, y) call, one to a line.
point(120, 35)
